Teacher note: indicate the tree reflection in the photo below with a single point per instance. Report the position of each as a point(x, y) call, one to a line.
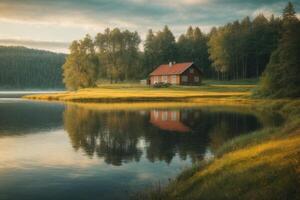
point(115, 135)
point(107, 135)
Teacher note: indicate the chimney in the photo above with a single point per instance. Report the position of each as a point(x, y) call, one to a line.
point(170, 64)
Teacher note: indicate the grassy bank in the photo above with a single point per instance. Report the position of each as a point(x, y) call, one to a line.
point(261, 165)
point(136, 92)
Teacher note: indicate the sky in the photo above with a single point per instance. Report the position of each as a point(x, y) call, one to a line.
point(53, 24)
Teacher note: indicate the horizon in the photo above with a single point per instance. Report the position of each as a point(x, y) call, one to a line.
point(51, 25)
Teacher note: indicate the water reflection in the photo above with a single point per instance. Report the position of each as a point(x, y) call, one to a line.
point(108, 154)
point(111, 135)
point(116, 135)
point(22, 117)
point(168, 120)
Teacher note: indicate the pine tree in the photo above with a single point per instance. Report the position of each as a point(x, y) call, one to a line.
point(281, 78)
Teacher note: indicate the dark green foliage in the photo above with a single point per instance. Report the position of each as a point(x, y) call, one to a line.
point(242, 49)
point(21, 67)
point(192, 46)
point(159, 48)
point(161, 85)
point(282, 76)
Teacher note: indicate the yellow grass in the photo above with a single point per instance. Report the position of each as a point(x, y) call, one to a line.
point(134, 93)
point(267, 165)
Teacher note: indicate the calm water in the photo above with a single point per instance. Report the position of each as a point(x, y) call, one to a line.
point(52, 151)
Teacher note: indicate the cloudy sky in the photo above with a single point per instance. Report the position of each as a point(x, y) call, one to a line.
point(53, 24)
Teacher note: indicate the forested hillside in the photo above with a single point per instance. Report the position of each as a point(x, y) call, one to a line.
point(21, 68)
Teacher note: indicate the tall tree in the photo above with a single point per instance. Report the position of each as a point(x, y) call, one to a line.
point(281, 78)
point(159, 48)
point(192, 46)
point(80, 69)
point(118, 53)
point(242, 49)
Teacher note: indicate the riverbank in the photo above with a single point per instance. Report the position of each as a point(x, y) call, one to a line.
point(140, 93)
point(261, 165)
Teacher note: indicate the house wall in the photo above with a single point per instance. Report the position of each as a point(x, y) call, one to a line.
point(160, 79)
point(179, 79)
point(191, 77)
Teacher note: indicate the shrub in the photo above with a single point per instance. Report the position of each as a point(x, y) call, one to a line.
point(161, 85)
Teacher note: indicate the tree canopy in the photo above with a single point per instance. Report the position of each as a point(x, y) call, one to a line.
point(281, 78)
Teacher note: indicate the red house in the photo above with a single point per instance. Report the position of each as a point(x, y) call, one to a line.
point(176, 74)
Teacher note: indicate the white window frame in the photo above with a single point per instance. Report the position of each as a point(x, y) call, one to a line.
point(155, 79)
point(164, 116)
point(196, 79)
point(174, 115)
point(155, 114)
point(164, 79)
point(174, 79)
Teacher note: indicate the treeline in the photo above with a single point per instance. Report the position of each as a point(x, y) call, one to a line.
point(237, 50)
point(242, 49)
point(115, 56)
point(282, 75)
point(21, 67)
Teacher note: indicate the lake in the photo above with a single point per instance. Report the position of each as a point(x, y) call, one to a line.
point(58, 151)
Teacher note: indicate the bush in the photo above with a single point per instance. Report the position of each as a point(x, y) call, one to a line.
point(161, 85)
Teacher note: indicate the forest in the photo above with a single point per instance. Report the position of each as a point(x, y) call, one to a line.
point(238, 50)
point(30, 68)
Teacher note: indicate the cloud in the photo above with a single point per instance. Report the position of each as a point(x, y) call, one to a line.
point(66, 20)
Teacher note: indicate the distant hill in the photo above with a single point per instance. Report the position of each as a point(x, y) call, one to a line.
point(22, 68)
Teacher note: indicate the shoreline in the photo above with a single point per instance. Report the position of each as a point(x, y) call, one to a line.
point(137, 93)
point(264, 157)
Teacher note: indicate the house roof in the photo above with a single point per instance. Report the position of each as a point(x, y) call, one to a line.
point(175, 69)
point(170, 125)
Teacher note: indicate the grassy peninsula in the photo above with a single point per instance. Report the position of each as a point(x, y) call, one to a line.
point(137, 93)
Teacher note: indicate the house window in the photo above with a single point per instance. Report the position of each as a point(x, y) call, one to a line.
point(174, 116)
point(184, 78)
point(164, 116)
point(173, 79)
point(164, 79)
point(191, 70)
point(155, 79)
point(155, 114)
point(196, 79)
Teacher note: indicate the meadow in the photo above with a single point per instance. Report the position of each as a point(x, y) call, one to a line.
point(132, 92)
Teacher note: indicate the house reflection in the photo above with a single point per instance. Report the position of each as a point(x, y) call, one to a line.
point(169, 120)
